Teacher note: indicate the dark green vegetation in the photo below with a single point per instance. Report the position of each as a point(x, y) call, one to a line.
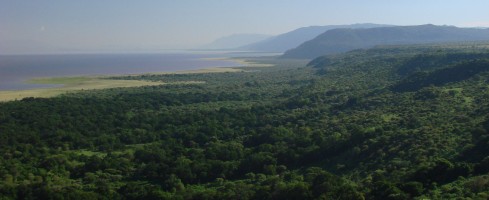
point(384, 123)
point(342, 40)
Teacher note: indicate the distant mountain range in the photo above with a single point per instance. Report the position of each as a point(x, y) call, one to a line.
point(234, 41)
point(292, 39)
point(346, 39)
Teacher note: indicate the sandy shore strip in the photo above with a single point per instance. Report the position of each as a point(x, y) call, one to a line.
point(242, 61)
point(194, 71)
point(73, 84)
point(70, 84)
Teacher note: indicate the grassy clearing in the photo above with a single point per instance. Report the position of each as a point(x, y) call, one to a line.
point(389, 117)
point(87, 153)
point(130, 149)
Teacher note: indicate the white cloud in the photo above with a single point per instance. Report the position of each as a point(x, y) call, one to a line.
point(476, 24)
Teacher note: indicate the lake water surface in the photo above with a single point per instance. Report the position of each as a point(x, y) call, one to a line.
point(15, 70)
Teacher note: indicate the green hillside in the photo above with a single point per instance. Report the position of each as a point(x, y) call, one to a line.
point(392, 122)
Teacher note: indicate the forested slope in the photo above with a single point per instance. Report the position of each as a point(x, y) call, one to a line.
point(357, 125)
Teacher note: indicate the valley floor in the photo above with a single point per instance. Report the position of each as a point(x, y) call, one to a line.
point(393, 122)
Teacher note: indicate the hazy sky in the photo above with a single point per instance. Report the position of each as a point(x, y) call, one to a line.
point(43, 26)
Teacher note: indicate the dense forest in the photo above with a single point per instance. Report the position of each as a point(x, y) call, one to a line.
point(391, 122)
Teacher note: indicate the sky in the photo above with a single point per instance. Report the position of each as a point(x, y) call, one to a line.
point(47, 26)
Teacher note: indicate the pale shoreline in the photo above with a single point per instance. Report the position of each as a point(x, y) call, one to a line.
point(78, 83)
point(244, 62)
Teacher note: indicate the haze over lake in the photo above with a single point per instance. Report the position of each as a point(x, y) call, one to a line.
point(15, 70)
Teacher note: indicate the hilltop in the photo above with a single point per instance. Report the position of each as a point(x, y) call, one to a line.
point(343, 40)
point(292, 39)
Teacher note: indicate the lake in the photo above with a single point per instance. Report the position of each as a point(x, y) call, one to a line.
point(15, 70)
